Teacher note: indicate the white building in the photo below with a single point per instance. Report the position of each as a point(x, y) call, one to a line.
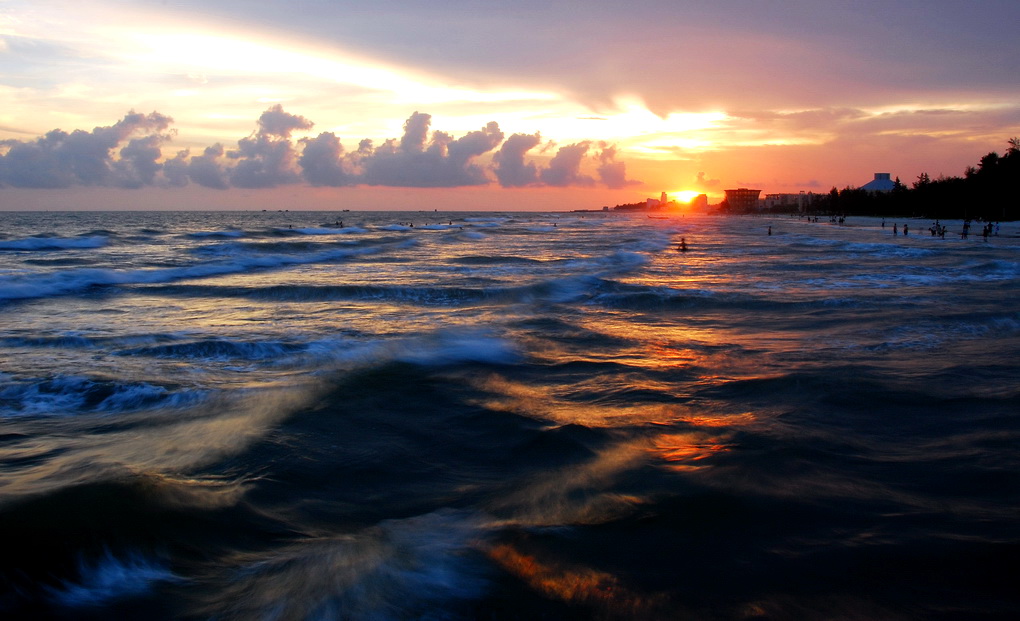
point(881, 183)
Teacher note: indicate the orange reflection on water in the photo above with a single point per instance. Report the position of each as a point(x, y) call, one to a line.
point(681, 450)
point(582, 586)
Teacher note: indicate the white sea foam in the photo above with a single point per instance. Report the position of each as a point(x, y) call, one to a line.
point(111, 578)
point(232, 233)
point(347, 230)
point(453, 347)
point(400, 569)
point(54, 243)
point(65, 395)
point(70, 281)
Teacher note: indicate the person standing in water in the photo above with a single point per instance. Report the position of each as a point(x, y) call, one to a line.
point(683, 245)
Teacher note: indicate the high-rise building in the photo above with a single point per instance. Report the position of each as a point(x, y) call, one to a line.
point(742, 199)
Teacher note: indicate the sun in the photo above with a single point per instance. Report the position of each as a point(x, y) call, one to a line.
point(685, 196)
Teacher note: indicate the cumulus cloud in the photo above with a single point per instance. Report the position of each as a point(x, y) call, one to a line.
point(323, 163)
point(267, 158)
point(508, 162)
point(704, 183)
point(612, 173)
point(276, 122)
point(128, 154)
point(419, 160)
point(60, 159)
point(565, 167)
point(207, 169)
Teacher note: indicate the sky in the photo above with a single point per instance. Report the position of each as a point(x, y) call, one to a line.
point(458, 104)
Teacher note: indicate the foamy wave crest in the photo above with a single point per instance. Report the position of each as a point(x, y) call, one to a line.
point(418, 568)
point(347, 230)
point(71, 281)
point(452, 348)
point(441, 348)
point(229, 234)
point(71, 394)
point(217, 349)
point(111, 578)
point(54, 243)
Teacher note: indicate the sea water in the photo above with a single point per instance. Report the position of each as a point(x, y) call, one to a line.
point(427, 415)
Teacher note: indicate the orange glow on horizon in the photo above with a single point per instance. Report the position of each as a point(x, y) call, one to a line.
point(685, 196)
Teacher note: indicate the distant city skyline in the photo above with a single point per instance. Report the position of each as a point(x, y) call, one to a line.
point(314, 104)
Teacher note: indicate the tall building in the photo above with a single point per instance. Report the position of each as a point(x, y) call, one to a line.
point(742, 199)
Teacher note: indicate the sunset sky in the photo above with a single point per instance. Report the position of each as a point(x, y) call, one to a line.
point(399, 104)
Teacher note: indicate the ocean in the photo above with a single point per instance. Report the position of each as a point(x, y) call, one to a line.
point(430, 415)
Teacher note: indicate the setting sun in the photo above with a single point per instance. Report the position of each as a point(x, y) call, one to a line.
point(685, 196)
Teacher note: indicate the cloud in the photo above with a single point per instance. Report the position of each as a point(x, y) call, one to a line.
point(276, 122)
point(565, 167)
point(509, 166)
point(322, 161)
point(207, 169)
point(612, 173)
point(705, 184)
point(175, 170)
point(60, 159)
point(269, 157)
point(420, 161)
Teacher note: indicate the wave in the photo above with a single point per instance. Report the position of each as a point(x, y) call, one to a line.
point(72, 281)
point(54, 243)
point(401, 569)
point(347, 230)
point(111, 578)
point(493, 260)
point(217, 349)
point(229, 234)
point(65, 395)
point(456, 347)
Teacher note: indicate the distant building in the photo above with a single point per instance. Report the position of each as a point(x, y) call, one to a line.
point(699, 203)
point(800, 201)
point(881, 183)
point(742, 199)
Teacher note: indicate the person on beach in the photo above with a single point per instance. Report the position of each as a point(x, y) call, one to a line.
point(906, 227)
point(895, 231)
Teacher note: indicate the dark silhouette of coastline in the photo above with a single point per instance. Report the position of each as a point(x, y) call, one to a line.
point(990, 191)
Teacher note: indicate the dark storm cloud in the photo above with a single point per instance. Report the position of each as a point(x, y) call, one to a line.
point(269, 157)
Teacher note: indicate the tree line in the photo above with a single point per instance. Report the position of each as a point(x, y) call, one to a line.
point(989, 191)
